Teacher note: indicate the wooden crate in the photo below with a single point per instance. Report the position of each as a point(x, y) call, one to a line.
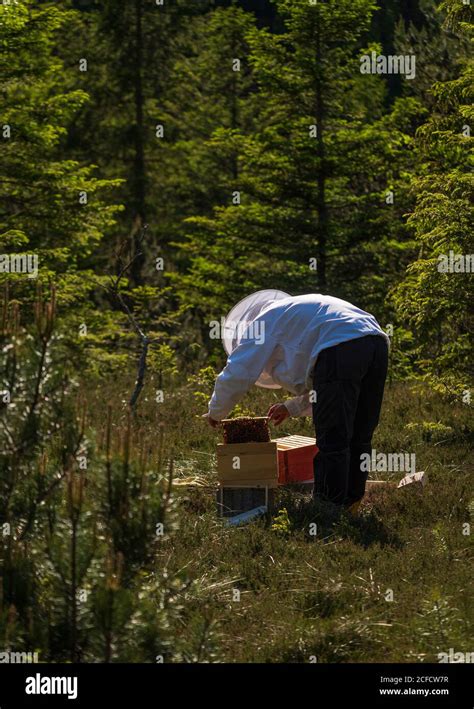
point(247, 464)
point(295, 459)
point(379, 484)
point(248, 475)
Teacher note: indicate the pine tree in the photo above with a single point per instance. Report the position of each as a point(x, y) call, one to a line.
point(130, 49)
point(437, 45)
point(52, 206)
point(435, 298)
point(320, 189)
point(207, 110)
point(212, 111)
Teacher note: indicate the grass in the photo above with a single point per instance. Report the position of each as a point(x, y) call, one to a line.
point(392, 585)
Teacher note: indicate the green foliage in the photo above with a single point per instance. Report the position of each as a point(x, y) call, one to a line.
point(85, 511)
point(312, 177)
point(55, 206)
point(438, 44)
point(432, 431)
point(435, 299)
point(281, 522)
point(202, 384)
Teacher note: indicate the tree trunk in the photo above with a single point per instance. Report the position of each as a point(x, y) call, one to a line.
point(73, 655)
point(321, 206)
point(139, 172)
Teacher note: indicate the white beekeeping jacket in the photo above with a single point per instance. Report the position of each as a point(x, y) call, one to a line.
point(280, 346)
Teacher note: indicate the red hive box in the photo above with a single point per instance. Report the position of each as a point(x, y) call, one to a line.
point(295, 459)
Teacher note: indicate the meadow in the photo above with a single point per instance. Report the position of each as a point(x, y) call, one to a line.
point(392, 585)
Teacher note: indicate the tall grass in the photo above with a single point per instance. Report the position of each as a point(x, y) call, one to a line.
point(111, 549)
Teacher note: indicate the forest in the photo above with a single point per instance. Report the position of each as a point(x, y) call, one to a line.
point(160, 160)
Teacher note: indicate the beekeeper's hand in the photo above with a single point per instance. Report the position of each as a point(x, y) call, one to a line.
point(212, 422)
point(278, 413)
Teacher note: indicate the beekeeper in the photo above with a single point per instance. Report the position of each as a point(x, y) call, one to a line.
point(331, 355)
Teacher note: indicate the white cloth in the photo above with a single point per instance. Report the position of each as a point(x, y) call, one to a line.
point(283, 343)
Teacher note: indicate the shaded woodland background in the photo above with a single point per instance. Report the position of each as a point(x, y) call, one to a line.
point(158, 185)
point(160, 130)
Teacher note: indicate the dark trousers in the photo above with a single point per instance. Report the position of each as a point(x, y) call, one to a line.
point(349, 380)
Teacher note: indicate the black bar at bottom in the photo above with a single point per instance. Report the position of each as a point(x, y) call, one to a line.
point(376, 685)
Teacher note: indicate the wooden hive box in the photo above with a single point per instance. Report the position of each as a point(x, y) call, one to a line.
point(247, 474)
point(247, 464)
point(295, 459)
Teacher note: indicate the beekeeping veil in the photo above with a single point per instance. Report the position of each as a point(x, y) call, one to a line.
point(240, 317)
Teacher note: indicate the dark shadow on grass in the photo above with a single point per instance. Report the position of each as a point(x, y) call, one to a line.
point(365, 529)
point(368, 529)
